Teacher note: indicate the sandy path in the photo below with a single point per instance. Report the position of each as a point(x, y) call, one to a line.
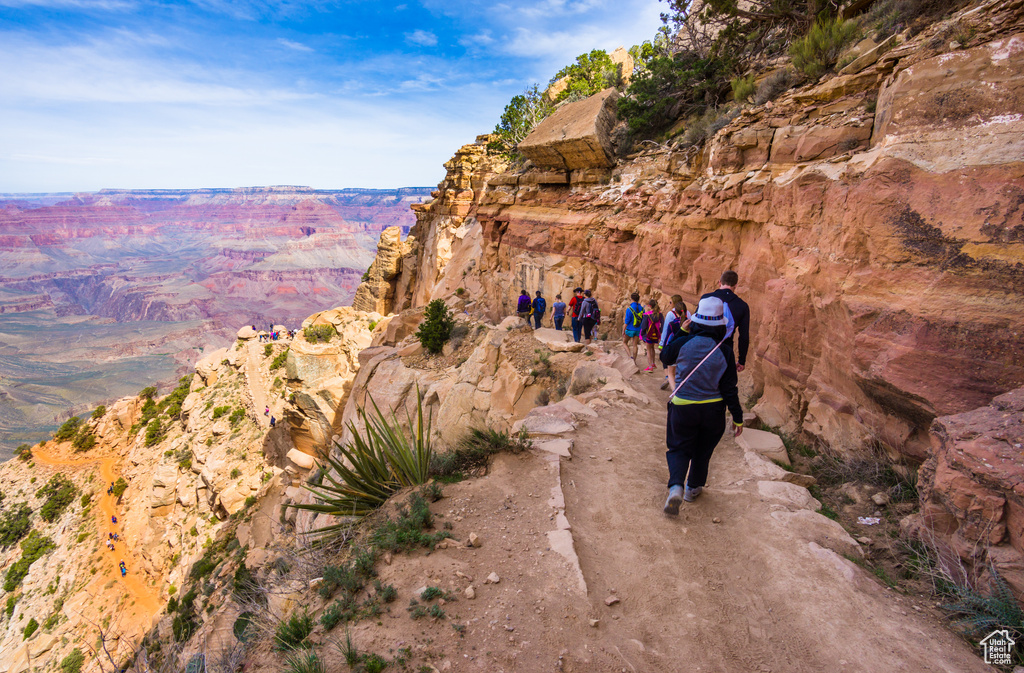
point(145, 599)
point(754, 592)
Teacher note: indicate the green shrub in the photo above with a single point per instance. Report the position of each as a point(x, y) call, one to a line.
point(341, 610)
point(154, 432)
point(280, 359)
point(591, 73)
point(380, 460)
point(774, 84)
point(171, 404)
point(474, 450)
point(67, 431)
point(236, 416)
point(59, 492)
point(220, 411)
point(14, 524)
point(236, 473)
point(374, 663)
point(73, 662)
point(680, 85)
point(12, 600)
point(267, 350)
point(149, 392)
point(99, 412)
point(408, 530)
point(85, 440)
point(319, 333)
point(120, 486)
point(520, 117)
point(742, 88)
point(32, 548)
point(24, 452)
point(291, 633)
point(436, 327)
point(29, 629)
point(817, 52)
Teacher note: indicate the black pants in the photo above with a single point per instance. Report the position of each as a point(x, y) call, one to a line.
point(693, 432)
point(588, 327)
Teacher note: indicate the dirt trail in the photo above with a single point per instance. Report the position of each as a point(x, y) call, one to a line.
point(257, 385)
point(755, 592)
point(146, 600)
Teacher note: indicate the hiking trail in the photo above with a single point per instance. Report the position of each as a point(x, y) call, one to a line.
point(146, 598)
point(744, 579)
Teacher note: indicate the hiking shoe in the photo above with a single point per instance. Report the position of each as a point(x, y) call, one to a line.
point(649, 369)
point(664, 386)
point(675, 498)
point(691, 493)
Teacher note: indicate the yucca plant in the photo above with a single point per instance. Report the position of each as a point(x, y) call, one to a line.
point(308, 662)
point(382, 459)
point(979, 614)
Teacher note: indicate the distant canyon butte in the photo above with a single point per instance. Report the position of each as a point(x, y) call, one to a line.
point(104, 293)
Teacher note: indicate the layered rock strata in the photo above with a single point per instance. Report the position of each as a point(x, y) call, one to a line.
point(873, 219)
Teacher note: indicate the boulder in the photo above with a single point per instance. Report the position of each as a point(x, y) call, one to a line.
point(558, 341)
point(232, 500)
point(768, 444)
point(247, 332)
point(377, 292)
point(576, 136)
point(209, 364)
point(303, 460)
point(790, 495)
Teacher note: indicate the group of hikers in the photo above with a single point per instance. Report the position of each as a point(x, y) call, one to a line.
point(273, 334)
point(701, 360)
point(111, 539)
point(583, 310)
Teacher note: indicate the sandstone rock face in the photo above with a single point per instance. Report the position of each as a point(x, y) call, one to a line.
point(322, 374)
point(576, 136)
point(376, 294)
point(863, 238)
point(972, 486)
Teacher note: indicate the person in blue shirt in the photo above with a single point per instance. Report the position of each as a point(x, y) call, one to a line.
point(558, 313)
point(539, 306)
point(631, 327)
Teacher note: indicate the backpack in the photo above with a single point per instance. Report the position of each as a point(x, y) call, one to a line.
point(540, 305)
point(653, 332)
point(590, 310)
point(634, 317)
point(524, 304)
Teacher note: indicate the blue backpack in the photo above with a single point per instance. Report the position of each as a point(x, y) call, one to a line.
point(540, 305)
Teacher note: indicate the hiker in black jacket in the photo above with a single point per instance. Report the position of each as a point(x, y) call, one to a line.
point(740, 314)
point(696, 412)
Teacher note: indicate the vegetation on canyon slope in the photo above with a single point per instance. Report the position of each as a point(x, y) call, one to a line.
point(700, 59)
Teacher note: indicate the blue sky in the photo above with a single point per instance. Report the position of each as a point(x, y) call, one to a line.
point(231, 93)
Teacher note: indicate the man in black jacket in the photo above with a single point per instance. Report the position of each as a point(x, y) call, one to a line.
point(741, 315)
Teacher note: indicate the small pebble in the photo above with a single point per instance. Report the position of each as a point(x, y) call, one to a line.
point(716, 520)
point(470, 592)
point(595, 622)
point(611, 600)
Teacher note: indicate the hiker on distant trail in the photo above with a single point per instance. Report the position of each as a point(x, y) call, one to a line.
point(590, 316)
point(741, 314)
point(273, 421)
point(558, 312)
point(525, 306)
point(540, 305)
point(266, 411)
point(650, 331)
point(631, 326)
point(574, 306)
point(696, 411)
point(676, 325)
point(113, 519)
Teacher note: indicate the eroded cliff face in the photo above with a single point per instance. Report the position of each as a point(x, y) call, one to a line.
point(874, 220)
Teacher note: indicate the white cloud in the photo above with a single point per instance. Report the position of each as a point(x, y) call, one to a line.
point(297, 46)
point(423, 38)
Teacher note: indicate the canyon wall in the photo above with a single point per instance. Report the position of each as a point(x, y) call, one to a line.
point(874, 219)
point(129, 286)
